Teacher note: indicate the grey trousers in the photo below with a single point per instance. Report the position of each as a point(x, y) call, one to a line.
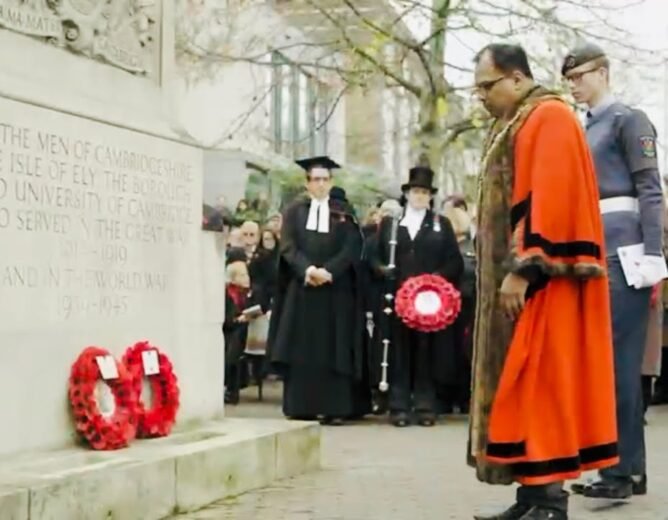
point(630, 313)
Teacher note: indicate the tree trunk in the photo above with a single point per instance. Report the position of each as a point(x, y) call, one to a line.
point(433, 105)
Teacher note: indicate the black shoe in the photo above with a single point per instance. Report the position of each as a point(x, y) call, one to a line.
point(379, 403)
point(426, 419)
point(331, 421)
point(544, 513)
point(231, 397)
point(400, 419)
point(639, 487)
point(515, 512)
point(610, 489)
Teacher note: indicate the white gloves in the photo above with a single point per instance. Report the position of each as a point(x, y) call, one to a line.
point(650, 271)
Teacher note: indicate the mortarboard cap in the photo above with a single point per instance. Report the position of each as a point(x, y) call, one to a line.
point(322, 161)
point(580, 55)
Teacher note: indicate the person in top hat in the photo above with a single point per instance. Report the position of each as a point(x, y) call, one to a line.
point(313, 336)
point(623, 144)
point(418, 362)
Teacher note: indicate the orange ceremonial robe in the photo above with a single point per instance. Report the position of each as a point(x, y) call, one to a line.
point(553, 413)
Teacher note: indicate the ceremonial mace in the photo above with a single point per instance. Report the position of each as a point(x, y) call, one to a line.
point(388, 299)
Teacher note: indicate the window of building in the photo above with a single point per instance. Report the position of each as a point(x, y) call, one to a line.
point(300, 106)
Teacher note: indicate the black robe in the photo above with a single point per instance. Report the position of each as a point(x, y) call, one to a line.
point(263, 270)
point(434, 250)
point(314, 338)
point(376, 324)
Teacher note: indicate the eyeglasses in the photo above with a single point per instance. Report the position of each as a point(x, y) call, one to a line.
point(486, 86)
point(577, 76)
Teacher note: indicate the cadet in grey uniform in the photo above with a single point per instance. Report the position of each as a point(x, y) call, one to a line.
point(623, 145)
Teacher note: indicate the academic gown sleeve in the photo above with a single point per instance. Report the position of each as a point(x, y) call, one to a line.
point(555, 216)
point(289, 248)
point(349, 253)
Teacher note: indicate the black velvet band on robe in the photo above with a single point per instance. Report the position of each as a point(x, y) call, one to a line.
point(314, 334)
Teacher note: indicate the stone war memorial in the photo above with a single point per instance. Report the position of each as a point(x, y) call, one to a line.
point(100, 226)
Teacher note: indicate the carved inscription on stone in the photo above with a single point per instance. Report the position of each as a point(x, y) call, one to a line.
point(30, 17)
point(123, 33)
point(91, 228)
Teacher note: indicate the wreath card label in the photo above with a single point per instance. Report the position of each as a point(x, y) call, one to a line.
point(107, 366)
point(150, 361)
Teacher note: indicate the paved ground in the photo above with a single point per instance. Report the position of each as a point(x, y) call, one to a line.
point(372, 471)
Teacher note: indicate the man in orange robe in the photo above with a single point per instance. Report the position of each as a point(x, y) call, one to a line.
point(543, 404)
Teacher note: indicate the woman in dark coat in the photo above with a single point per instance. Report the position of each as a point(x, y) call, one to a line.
point(426, 243)
point(263, 267)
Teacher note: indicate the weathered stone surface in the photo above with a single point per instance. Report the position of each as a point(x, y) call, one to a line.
point(224, 469)
point(13, 503)
point(105, 248)
point(154, 478)
point(298, 451)
point(122, 33)
point(136, 491)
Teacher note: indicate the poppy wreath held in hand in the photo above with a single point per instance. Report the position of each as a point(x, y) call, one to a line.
point(428, 303)
point(103, 431)
point(158, 420)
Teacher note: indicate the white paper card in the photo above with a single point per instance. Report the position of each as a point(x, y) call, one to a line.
point(150, 362)
point(107, 366)
point(631, 257)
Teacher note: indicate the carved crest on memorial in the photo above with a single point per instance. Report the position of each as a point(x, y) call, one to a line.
point(122, 33)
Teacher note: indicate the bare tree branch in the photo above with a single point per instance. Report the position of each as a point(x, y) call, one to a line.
point(417, 91)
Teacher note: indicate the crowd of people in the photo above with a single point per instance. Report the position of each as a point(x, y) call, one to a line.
point(253, 261)
point(557, 343)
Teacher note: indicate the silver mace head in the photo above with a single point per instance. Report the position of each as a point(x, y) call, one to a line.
point(383, 386)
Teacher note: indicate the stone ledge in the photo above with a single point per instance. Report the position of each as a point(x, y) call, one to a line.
point(154, 479)
point(13, 503)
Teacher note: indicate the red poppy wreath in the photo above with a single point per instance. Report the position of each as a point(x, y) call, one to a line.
point(143, 359)
point(103, 430)
point(428, 303)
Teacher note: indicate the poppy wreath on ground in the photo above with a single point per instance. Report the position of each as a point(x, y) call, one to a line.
point(428, 303)
point(102, 431)
point(158, 420)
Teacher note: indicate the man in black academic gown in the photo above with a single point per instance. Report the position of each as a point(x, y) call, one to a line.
point(314, 333)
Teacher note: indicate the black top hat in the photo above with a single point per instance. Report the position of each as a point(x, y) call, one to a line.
point(338, 193)
point(339, 202)
point(420, 177)
point(580, 55)
point(322, 161)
